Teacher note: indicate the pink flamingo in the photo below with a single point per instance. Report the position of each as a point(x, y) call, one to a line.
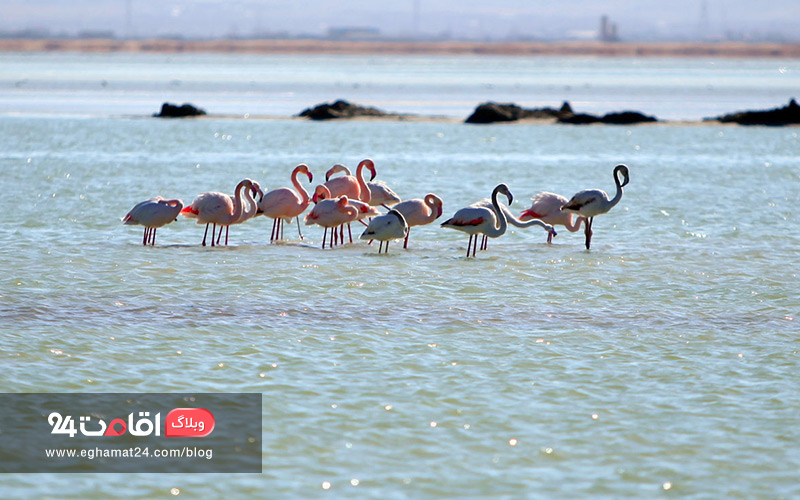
point(591, 202)
point(248, 213)
point(219, 209)
point(379, 192)
point(152, 214)
point(419, 212)
point(355, 188)
point(364, 209)
point(546, 206)
point(331, 213)
point(283, 203)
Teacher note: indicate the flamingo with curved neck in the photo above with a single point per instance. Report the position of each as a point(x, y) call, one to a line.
point(284, 203)
point(419, 212)
point(215, 208)
point(355, 188)
point(546, 206)
point(591, 202)
point(476, 219)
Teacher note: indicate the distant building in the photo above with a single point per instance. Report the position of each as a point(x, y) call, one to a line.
point(608, 30)
point(355, 33)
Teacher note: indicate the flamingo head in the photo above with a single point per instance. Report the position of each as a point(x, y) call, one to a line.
point(335, 170)
point(432, 199)
point(303, 169)
point(320, 193)
point(370, 165)
point(626, 175)
point(502, 188)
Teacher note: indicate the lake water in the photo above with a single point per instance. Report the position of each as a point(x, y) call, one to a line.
point(662, 363)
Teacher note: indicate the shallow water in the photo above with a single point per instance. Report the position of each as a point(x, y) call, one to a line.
point(662, 362)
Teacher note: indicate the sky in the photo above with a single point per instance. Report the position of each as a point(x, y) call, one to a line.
point(465, 19)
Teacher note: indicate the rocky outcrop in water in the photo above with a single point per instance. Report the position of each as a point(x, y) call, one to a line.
point(169, 110)
point(340, 109)
point(619, 118)
point(492, 112)
point(787, 115)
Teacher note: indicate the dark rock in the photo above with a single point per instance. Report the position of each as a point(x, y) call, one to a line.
point(492, 112)
point(340, 109)
point(578, 119)
point(621, 118)
point(787, 115)
point(169, 110)
point(627, 118)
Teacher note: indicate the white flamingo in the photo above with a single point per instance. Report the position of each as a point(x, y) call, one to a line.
point(546, 206)
point(152, 214)
point(591, 202)
point(219, 209)
point(391, 226)
point(419, 212)
point(475, 219)
point(487, 203)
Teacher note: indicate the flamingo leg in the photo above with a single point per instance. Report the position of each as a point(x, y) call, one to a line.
point(588, 232)
point(387, 247)
point(335, 237)
point(144, 238)
point(350, 232)
point(206, 234)
point(405, 242)
point(475, 245)
point(298, 227)
point(380, 247)
point(272, 234)
point(485, 242)
point(549, 237)
point(227, 228)
point(213, 233)
point(469, 244)
point(153, 237)
point(280, 225)
point(324, 237)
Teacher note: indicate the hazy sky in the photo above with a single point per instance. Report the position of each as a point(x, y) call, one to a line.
point(496, 19)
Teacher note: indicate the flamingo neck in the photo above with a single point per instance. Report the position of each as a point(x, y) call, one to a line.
point(574, 223)
point(618, 195)
point(300, 189)
point(433, 207)
point(365, 195)
point(238, 207)
point(495, 231)
point(518, 223)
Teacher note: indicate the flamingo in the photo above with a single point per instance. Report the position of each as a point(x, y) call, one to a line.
point(283, 203)
point(476, 219)
point(419, 212)
point(355, 188)
point(514, 221)
point(331, 213)
point(379, 192)
point(591, 202)
point(364, 209)
point(387, 227)
point(219, 209)
point(152, 214)
point(248, 213)
point(546, 206)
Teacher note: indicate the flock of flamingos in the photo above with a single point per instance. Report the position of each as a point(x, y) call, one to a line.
point(345, 199)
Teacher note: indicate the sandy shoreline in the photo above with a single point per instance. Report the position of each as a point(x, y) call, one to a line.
point(598, 49)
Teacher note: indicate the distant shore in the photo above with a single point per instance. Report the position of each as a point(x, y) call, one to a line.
point(310, 46)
